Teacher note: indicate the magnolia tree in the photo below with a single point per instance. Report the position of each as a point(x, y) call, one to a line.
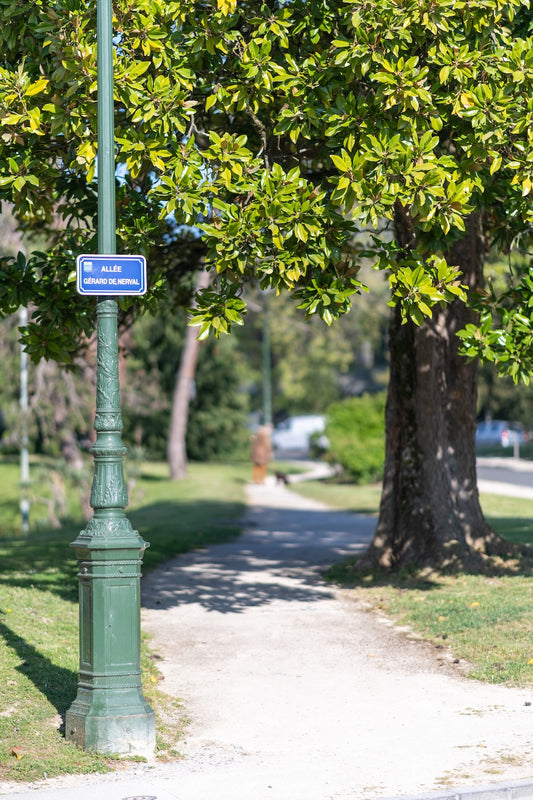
point(288, 141)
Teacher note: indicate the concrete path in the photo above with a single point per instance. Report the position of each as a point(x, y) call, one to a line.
point(295, 693)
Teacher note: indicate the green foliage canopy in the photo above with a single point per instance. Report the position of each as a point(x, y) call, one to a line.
point(278, 130)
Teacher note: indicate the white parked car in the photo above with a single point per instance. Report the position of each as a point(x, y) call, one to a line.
point(500, 432)
point(294, 434)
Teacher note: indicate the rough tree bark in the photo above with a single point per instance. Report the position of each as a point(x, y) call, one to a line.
point(430, 512)
point(176, 449)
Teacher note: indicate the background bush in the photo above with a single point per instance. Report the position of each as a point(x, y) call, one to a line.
point(356, 432)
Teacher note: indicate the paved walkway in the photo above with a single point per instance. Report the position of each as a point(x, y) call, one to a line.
point(295, 693)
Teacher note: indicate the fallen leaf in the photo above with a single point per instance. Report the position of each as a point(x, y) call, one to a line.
point(474, 605)
point(15, 751)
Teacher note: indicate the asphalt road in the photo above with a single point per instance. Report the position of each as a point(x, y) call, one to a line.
point(505, 476)
point(504, 470)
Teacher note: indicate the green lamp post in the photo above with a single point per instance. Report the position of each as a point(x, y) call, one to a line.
point(110, 713)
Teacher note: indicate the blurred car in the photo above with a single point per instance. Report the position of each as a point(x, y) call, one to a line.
point(498, 432)
point(294, 434)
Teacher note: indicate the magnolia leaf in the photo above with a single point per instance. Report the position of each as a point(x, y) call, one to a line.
point(226, 6)
point(36, 88)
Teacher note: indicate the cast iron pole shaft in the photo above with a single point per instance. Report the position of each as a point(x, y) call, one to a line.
point(110, 713)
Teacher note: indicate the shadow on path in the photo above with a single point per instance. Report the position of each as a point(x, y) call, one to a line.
point(280, 558)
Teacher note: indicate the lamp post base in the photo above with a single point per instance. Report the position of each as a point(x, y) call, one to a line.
point(117, 721)
point(110, 713)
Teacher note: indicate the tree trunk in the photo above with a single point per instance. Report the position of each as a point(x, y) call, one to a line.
point(176, 450)
point(430, 513)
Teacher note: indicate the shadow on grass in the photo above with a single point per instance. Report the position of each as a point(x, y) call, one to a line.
point(175, 528)
point(150, 477)
point(44, 559)
point(363, 510)
point(44, 562)
point(10, 515)
point(518, 530)
point(56, 683)
point(349, 574)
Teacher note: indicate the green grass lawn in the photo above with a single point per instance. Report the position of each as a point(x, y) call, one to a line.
point(38, 601)
point(484, 619)
point(345, 496)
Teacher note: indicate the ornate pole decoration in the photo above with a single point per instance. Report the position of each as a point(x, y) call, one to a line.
point(110, 713)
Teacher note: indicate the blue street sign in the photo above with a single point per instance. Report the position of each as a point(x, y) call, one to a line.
point(115, 275)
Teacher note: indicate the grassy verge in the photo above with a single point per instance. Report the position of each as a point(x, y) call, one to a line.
point(38, 604)
point(484, 619)
point(345, 496)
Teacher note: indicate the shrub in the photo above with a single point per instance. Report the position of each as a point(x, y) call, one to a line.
point(356, 433)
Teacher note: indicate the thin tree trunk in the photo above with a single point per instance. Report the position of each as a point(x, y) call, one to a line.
point(430, 512)
point(176, 450)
